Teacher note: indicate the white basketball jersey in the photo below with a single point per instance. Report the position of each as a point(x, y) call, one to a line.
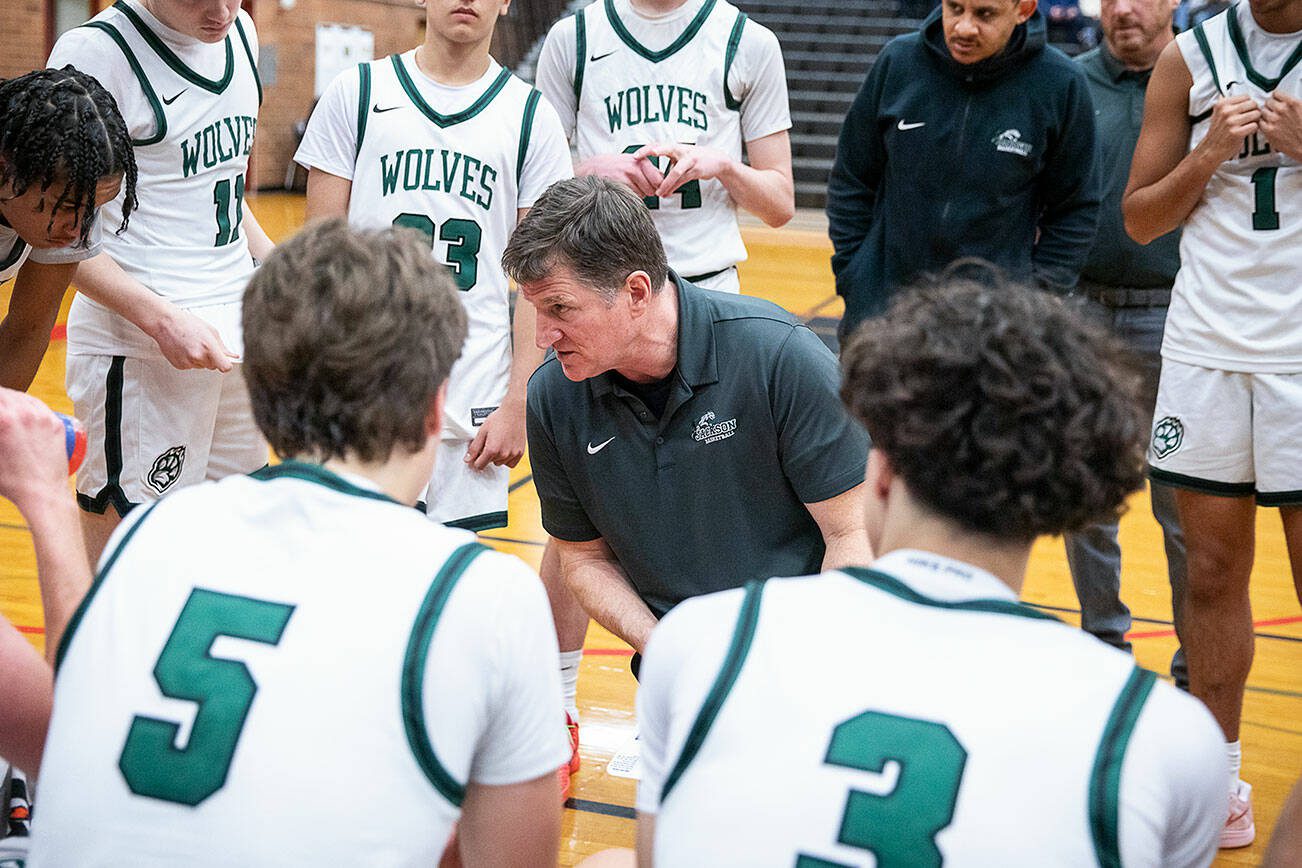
point(184, 240)
point(1237, 303)
point(914, 714)
point(630, 96)
point(454, 178)
point(13, 252)
point(291, 669)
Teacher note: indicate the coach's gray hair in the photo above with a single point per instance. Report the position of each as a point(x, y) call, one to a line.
point(598, 229)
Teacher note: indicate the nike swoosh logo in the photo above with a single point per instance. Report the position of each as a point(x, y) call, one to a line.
point(593, 450)
point(167, 101)
point(379, 110)
point(903, 126)
point(600, 57)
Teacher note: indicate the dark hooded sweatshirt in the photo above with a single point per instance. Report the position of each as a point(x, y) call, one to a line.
point(939, 160)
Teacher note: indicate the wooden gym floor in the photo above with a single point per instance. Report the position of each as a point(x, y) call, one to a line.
point(790, 266)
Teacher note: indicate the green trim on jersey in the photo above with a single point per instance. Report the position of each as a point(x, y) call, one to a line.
point(1205, 486)
point(1261, 81)
point(363, 103)
point(404, 78)
point(1105, 779)
point(75, 621)
point(321, 476)
point(477, 523)
point(1201, 37)
point(112, 492)
point(526, 129)
point(742, 636)
point(734, 40)
point(892, 585)
point(165, 54)
point(248, 52)
point(656, 56)
point(413, 671)
point(15, 253)
point(160, 119)
point(580, 52)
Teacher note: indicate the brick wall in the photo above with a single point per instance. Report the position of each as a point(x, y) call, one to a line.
point(397, 27)
point(23, 24)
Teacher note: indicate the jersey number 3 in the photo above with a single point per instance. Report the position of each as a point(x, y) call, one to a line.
point(463, 237)
point(151, 761)
point(899, 828)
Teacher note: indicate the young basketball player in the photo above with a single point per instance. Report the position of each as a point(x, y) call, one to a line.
point(64, 151)
point(153, 337)
point(441, 703)
point(1221, 153)
point(925, 717)
point(443, 140)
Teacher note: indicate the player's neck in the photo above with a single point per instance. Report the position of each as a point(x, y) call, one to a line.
point(452, 63)
point(402, 477)
point(1284, 18)
point(929, 533)
point(652, 356)
point(655, 8)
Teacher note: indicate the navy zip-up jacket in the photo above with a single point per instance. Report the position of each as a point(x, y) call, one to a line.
point(939, 160)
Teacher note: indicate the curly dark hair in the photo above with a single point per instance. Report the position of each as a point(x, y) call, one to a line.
point(1002, 407)
point(61, 126)
point(348, 336)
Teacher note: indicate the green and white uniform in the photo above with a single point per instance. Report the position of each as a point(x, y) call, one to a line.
point(456, 164)
point(1229, 408)
point(703, 74)
point(914, 714)
point(191, 109)
point(319, 688)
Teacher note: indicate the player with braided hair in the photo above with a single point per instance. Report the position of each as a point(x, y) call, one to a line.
point(64, 150)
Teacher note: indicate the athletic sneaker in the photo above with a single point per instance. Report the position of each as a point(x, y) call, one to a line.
point(1239, 829)
point(573, 726)
point(18, 807)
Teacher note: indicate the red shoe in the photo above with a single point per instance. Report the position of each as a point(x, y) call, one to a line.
point(572, 725)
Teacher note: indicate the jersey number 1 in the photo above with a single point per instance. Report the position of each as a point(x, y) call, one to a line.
point(151, 762)
point(1265, 218)
point(228, 230)
point(899, 828)
point(463, 237)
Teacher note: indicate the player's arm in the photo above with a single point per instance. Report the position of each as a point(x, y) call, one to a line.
point(25, 706)
point(34, 475)
point(646, 840)
point(184, 340)
point(515, 826)
point(840, 520)
point(1167, 179)
point(33, 308)
point(260, 243)
point(327, 195)
point(595, 577)
point(1286, 842)
point(763, 188)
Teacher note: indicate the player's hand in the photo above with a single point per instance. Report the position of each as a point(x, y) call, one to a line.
point(1281, 121)
point(500, 439)
point(33, 451)
point(1233, 119)
point(624, 168)
point(689, 163)
point(188, 342)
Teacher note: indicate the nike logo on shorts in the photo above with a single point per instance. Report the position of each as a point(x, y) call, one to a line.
point(903, 126)
point(593, 450)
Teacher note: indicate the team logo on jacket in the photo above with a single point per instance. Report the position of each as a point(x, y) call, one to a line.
point(710, 431)
point(1010, 142)
point(1168, 434)
point(167, 469)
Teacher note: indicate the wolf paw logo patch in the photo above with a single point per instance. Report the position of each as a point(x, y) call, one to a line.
point(167, 469)
point(1168, 434)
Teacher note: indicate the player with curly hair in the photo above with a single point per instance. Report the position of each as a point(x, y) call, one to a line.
point(64, 150)
point(918, 696)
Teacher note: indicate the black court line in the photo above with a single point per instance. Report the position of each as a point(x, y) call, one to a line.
point(523, 542)
point(7, 526)
point(520, 483)
point(1260, 635)
point(605, 808)
point(1272, 727)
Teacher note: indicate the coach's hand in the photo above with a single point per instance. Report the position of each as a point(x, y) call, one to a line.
point(1281, 121)
point(688, 163)
point(33, 452)
point(625, 168)
point(1233, 119)
point(188, 342)
point(500, 439)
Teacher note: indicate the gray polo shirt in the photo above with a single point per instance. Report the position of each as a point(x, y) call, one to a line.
point(712, 494)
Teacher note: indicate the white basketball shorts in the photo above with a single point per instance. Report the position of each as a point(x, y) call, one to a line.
point(460, 496)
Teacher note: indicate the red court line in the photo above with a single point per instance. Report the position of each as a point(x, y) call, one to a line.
point(59, 332)
point(38, 631)
point(609, 652)
point(1269, 622)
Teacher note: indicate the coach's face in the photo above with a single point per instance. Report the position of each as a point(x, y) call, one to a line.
point(589, 333)
point(1137, 30)
point(205, 20)
point(978, 29)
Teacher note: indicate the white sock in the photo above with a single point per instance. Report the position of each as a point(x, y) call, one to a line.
point(570, 681)
point(1234, 754)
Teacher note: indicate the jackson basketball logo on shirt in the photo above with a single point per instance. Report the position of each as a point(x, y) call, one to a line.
point(709, 431)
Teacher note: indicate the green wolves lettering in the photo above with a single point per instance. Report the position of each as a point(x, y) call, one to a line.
point(217, 143)
point(435, 169)
point(652, 103)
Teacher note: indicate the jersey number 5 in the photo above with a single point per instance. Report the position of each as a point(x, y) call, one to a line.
point(151, 761)
point(899, 828)
point(463, 238)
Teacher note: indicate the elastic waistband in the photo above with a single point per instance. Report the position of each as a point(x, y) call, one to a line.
point(1125, 296)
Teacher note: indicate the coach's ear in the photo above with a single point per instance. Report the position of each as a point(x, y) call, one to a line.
point(638, 287)
point(434, 418)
